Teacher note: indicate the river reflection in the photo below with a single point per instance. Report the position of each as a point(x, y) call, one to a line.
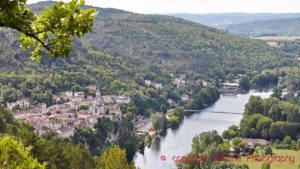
point(177, 142)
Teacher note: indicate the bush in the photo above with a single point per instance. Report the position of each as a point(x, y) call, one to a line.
point(265, 166)
point(294, 145)
point(174, 120)
point(287, 140)
point(268, 151)
point(283, 146)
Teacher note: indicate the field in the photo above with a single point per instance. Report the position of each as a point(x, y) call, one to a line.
point(278, 38)
point(276, 165)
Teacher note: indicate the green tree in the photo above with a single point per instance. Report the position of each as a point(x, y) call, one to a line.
point(275, 112)
point(159, 121)
point(237, 141)
point(254, 105)
point(13, 155)
point(268, 150)
point(263, 123)
point(174, 120)
point(280, 129)
point(298, 144)
point(129, 117)
point(228, 134)
point(287, 140)
point(114, 158)
point(52, 29)
point(277, 92)
point(244, 83)
point(265, 166)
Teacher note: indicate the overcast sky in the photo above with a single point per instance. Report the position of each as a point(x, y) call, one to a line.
point(199, 6)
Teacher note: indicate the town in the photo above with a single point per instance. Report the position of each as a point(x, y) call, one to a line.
point(76, 110)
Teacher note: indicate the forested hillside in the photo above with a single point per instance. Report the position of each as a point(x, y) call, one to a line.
point(289, 26)
point(179, 44)
point(125, 48)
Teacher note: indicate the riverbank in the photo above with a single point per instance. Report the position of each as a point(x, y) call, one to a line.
point(177, 142)
point(174, 119)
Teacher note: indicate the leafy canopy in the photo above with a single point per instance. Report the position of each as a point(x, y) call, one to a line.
point(14, 155)
point(114, 158)
point(53, 29)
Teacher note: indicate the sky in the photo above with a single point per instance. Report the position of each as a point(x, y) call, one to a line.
point(198, 6)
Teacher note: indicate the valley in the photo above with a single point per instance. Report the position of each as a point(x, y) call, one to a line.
point(115, 88)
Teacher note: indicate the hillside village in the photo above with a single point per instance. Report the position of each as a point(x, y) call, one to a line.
point(75, 111)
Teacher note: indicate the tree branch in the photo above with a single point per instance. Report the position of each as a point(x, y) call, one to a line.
point(46, 46)
point(33, 35)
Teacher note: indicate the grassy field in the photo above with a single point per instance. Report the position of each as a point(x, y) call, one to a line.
point(275, 165)
point(278, 38)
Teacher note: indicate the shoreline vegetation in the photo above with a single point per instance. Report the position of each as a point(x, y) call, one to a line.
point(269, 127)
point(154, 135)
point(173, 119)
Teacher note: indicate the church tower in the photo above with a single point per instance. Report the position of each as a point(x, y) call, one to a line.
point(98, 94)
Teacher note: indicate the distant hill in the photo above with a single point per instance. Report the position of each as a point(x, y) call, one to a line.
point(285, 27)
point(174, 43)
point(221, 20)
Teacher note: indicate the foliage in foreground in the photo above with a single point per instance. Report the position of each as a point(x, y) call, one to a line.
point(13, 155)
point(115, 158)
point(52, 29)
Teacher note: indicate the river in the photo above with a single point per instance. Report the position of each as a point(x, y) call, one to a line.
point(177, 142)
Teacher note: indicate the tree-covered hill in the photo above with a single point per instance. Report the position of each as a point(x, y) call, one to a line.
point(289, 26)
point(126, 48)
point(172, 41)
point(179, 44)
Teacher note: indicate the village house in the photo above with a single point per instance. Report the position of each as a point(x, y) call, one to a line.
point(202, 82)
point(140, 118)
point(42, 107)
point(253, 142)
point(123, 100)
point(170, 102)
point(79, 95)
point(148, 82)
point(230, 88)
point(179, 81)
point(114, 112)
point(56, 99)
point(92, 87)
point(97, 109)
point(23, 103)
point(205, 83)
point(11, 106)
point(69, 95)
point(185, 97)
point(108, 99)
point(65, 132)
point(157, 86)
point(250, 145)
